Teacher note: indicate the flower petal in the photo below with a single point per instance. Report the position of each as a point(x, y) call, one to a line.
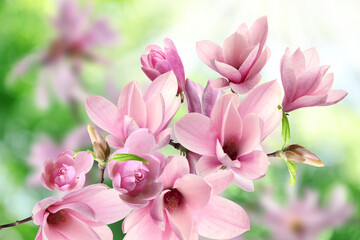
point(228, 71)
point(219, 181)
point(141, 141)
point(209, 51)
point(176, 167)
point(247, 85)
point(222, 219)
point(181, 221)
point(220, 83)
point(252, 132)
point(232, 48)
point(334, 96)
point(254, 165)
point(207, 165)
point(195, 132)
point(243, 183)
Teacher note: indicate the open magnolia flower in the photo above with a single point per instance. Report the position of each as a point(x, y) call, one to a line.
point(240, 59)
point(305, 82)
point(83, 214)
point(153, 110)
point(187, 207)
point(230, 137)
point(66, 172)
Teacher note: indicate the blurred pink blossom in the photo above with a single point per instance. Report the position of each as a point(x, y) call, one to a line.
point(305, 219)
point(241, 58)
point(66, 172)
point(305, 82)
point(154, 110)
point(187, 207)
point(155, 62)
point(82, 214)
point(135, 180)
point(60, 64)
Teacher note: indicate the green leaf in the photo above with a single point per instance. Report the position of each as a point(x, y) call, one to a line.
point(285, 131)
point(128, 157)
point(292, 170)
point(76, 153)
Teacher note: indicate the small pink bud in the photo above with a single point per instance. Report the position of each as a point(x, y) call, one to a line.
point(100, 146)
point(297, 153)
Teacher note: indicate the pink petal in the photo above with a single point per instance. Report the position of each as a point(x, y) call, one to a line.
point(219, 181)
point(228, 71)
point(104, 114)
point(306, 101)
point(150, 72)
point(177, 166)
point(181, 221)
point(114, 142)
point(157, 210)
point(166, 85)
point(79, 210)
point(209, 51)
point(243, 183)
point(134, 218)
point(170, 112)
point(308, 82)
point(254, 165)
point(264, 101)
point(108, 207)
point(163, 138)
point(132, 104)
point(231, 129)
point(195, 132)
point(222, 219)
point(220, 83)
point(209, 98)
point(259, 64)
point(175, 61)
point(334, 96)
point(141, 141)
point(259, 32)
point(249, 62)
point(40, 207)
point(298, 62)
point(195, 190)
point(288, 77)
point(104, 232)
point(73, 228)
point(207, 165)
point(312, 58)
point(232, 48)
point(252, 132)
point(84, 162)
point(192, 96)
point(325, 85)
point(163, 66)
point(246, 86)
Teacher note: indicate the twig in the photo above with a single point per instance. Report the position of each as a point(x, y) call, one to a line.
point(16, 223)
point(102, 171)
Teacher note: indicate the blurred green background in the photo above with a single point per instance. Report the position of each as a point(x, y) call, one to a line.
point(331, 132)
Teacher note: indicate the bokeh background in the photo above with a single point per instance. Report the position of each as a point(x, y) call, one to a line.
point(29, 131)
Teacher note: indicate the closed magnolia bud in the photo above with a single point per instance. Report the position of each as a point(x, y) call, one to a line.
point(299, 154)
point(100, 146)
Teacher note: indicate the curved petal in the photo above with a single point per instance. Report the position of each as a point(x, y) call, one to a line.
point(174, 59)
point(259, 31)
point(157, 210)
point(243, 183)
point(298, 62)
point(193, 95)
point(220, 83)
point(222, 219)
point(104, 114)
point(219, 181)
point(252, 132)
point(306, 101)
point(181, 221)
point(249, 62)
point(195, 132)
point(132, 104)
point(150, 72)
point(207, 165)
point(209, 51)
point(114, 141)
point(141, 141)
point(84, 162)
point(194, 189)
point(228, 71)
point(260, 63)
point(104, 232)
point(312, 58)
point(247, 85)
point(254, 165)
point(232, 48)
point(176, 167)
point(288, 77)
point(334, 96)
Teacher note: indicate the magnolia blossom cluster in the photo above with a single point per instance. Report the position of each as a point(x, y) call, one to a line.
point(178, 197)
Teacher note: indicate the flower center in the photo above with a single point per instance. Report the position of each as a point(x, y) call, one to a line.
point(139, 176)
point(173, 199)
point(58, 217)
point(297, 227)
point(62, 171)
point(231, 150)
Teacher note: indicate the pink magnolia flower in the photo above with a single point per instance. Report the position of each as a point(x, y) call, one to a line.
point(45, 148)
point(153, 110)
point(305, 219)
point(187, 207)
point(77, 39)
point(83, 214)
point(200, 100)
point(305, 82)
point(230, 137)
point(135, 180)
point(66, 173)
point(241, 58)
point(155, 62)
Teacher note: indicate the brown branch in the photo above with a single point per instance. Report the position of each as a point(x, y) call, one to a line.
point(16, 223)
point(175, 145)
point(274, 154)
point(102, 171)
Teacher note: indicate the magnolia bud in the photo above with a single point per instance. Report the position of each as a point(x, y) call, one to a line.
point(298, 154)
point(100, 145)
